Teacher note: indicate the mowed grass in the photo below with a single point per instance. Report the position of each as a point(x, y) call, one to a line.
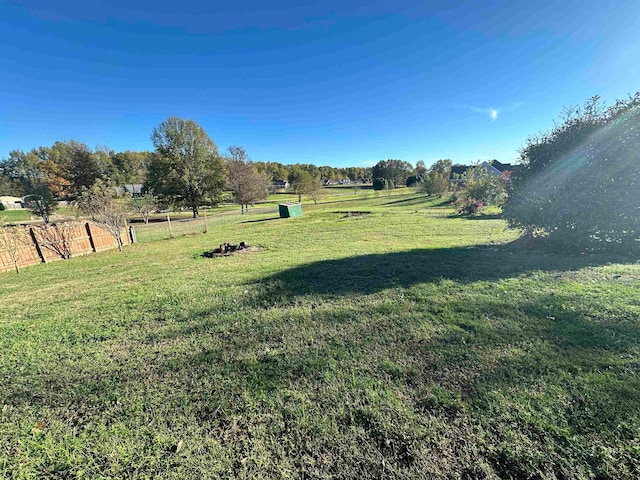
point(378, 338)
point(15, 215)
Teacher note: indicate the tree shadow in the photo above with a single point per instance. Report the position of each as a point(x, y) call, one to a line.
point(367, 274)
point(276, 364)
point(492, 216)
point(261, 220)
point(410, 201)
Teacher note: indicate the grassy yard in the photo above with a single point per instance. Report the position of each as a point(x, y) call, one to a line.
point(372, 338)
point(15, 215)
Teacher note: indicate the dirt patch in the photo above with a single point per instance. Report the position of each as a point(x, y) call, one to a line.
point(227, 249)
point(354, 214)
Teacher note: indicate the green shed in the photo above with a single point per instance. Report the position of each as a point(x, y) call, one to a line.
point(288, 210)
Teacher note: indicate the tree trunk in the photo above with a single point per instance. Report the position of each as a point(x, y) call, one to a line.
point(195, 211)
point(299, 197)
point(118, 239)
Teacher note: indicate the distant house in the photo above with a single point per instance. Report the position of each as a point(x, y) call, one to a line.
point(281, 184)
point(11, 203)
point(493, 168)
point(134, 189)
point(505, 167)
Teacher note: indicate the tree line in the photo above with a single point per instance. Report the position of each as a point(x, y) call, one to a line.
point(185, 169)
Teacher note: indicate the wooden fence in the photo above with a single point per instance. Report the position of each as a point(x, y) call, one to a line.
point(31, 245)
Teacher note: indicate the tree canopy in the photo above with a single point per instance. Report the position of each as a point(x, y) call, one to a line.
point(396, 171)
point(247, 184)
point(186, 168)
point(305, 180)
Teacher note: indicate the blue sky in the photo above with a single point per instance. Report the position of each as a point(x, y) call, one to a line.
point(342, 83)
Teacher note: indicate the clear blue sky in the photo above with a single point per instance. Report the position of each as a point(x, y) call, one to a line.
point(325, 82)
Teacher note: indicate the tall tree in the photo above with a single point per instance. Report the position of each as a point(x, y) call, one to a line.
point(83, 166)
point(396, 171)
point(304, 180)
point(420, 170)
point(436, 181)
point(131, 167)
point(247, 184)
point(186, 168)
point(37, 180)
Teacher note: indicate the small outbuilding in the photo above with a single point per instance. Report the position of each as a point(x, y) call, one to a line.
point(11, 203)
point(289, 210)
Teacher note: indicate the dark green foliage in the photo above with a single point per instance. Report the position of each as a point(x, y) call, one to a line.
point(185, 169)
point(83, 167)
point(129, 167)
point(380, 184)
point(305, 180)
point(580, 183)
point(8, 185)
point(395, 171)
point(413, 180)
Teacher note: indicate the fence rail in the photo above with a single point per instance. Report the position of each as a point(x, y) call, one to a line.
point(153, 231)
point(25, 246)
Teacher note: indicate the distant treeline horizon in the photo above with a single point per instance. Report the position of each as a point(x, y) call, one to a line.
point(67, 166)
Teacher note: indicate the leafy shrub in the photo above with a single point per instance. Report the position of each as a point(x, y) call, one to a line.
point(478, 190)
point(581, 181)
point(1, 206)
point(380, 184)
point(470, 206)
point(413, 180)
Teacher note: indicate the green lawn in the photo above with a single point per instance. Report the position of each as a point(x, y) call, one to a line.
point(373, 338)
point(15, 215)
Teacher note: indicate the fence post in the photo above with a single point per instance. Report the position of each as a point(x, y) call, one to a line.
point(169, 225)
point(205, 221)
point(37, 245)
point(93, 245)
point(132, 234)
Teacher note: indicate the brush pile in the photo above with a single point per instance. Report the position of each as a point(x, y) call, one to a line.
point(225, 250)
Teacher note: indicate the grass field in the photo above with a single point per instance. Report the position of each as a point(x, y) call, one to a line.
point(15, 215)
point(378, 338)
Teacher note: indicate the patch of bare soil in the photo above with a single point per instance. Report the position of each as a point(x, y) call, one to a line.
point(355, 214)
point(227, 249)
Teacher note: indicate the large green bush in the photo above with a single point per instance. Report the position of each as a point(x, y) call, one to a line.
point(580, 182)
point(380, 184)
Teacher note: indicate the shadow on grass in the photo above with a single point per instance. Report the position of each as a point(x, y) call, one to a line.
point(494, 216)
point(472, 366)
point(410, 201)
point(261, 220)
point(366, 274)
